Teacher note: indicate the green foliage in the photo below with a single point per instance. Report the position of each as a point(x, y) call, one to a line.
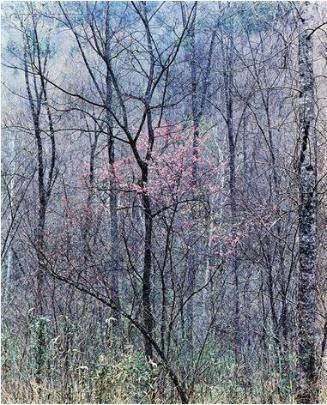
point(126, 378)
point(39, 347)
point(9, 352)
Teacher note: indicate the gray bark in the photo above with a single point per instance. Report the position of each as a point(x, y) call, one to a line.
point(306, 303)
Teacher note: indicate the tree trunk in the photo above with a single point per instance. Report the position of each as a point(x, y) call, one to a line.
point(147, 264)
point(228, 79)
point(306, 302)
point(115, 262)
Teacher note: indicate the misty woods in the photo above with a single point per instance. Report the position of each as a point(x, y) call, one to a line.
point(164, 202)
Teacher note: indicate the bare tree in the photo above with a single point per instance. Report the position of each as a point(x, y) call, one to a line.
point(306, 304)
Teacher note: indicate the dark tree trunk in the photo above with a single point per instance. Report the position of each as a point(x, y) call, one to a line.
point(228, 82)
point(115, 262)
point(35, 85)
point(306, 304)
point(35, 107)
point(147, 265)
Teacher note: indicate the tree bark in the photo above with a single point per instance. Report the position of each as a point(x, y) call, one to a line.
point(115, 262)
point(306, 301)
point(228, 82)
point(147, 267)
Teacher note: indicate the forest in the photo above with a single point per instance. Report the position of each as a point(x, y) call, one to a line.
point(164, 202)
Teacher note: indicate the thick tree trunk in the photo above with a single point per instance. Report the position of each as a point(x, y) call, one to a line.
point(306, 304)
point(147, 265)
